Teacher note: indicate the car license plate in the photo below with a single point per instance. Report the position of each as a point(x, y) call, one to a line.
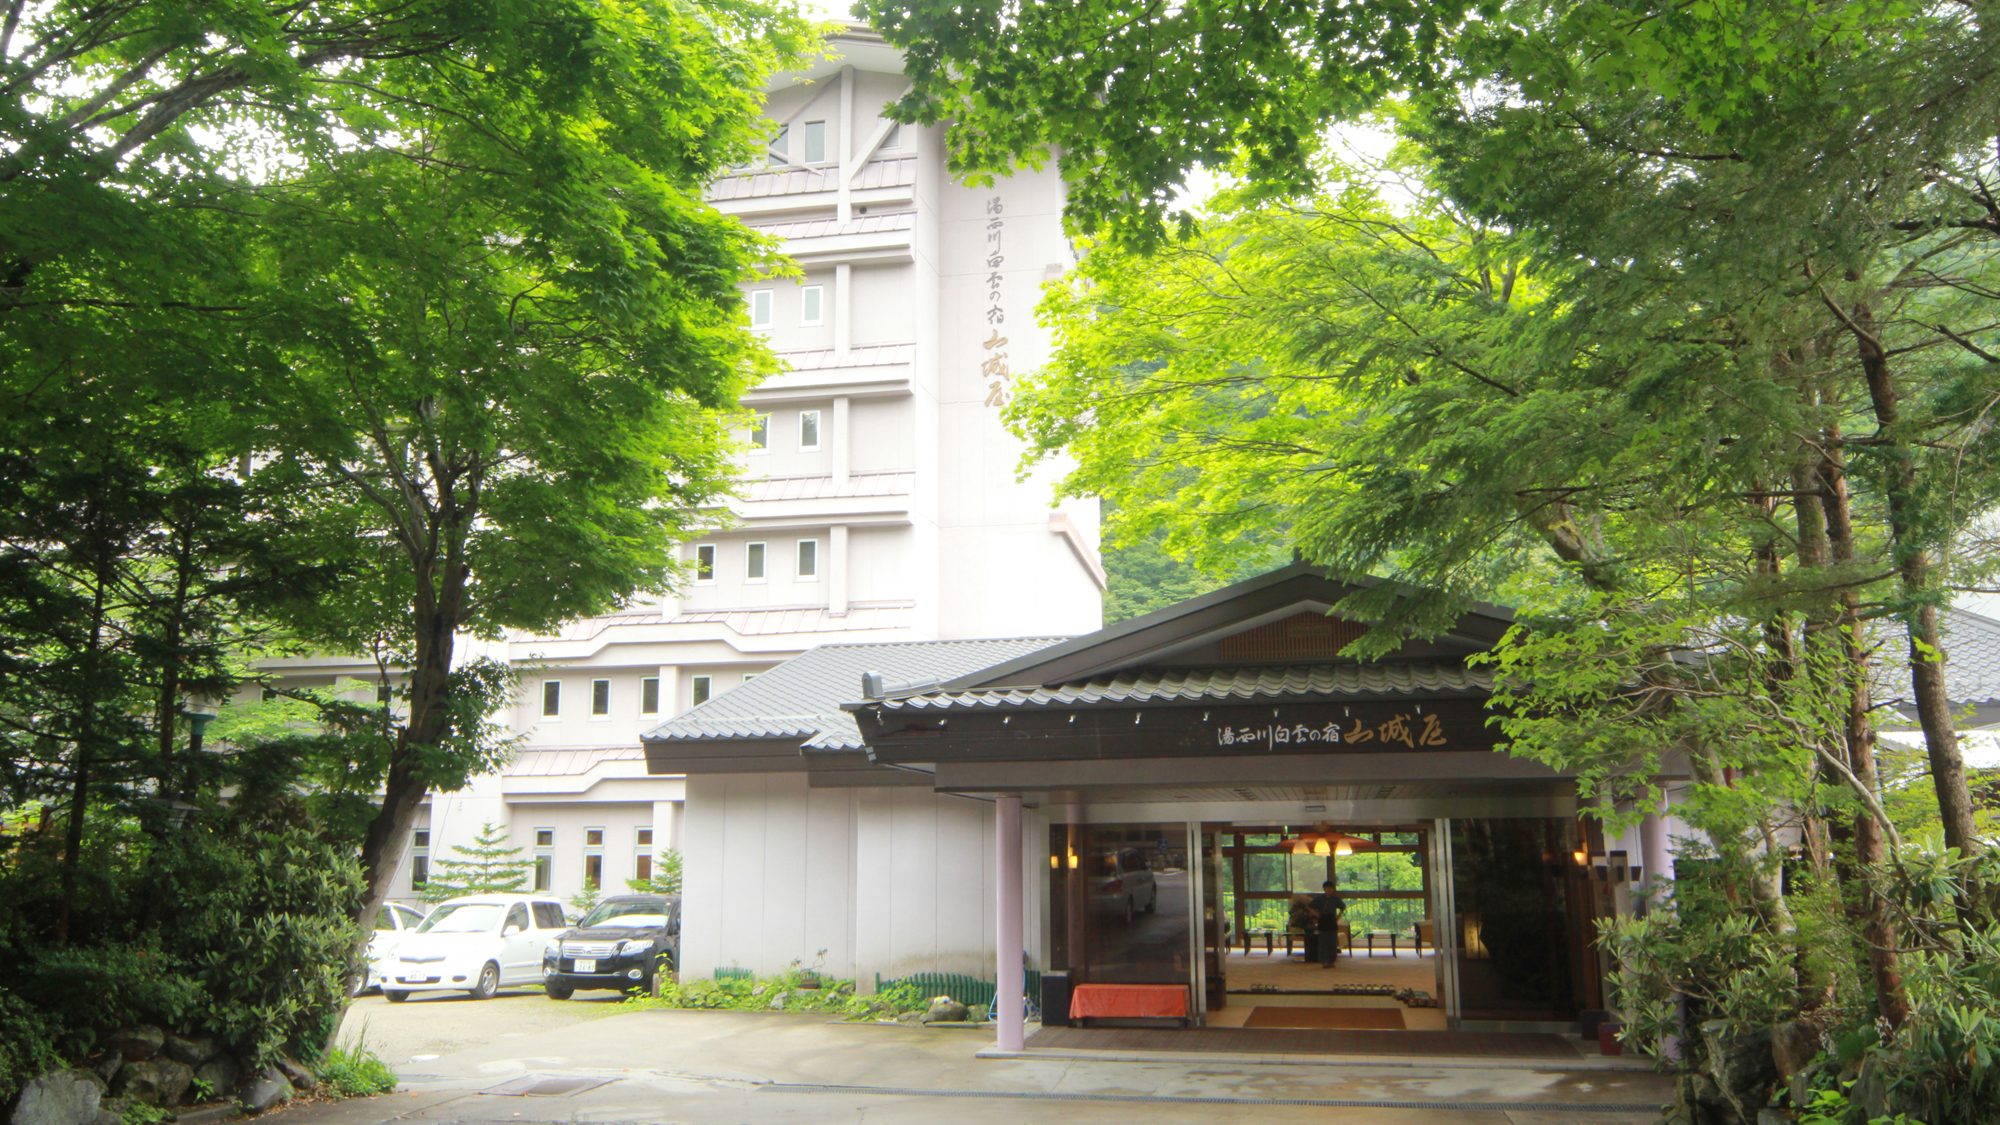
point(584, 965)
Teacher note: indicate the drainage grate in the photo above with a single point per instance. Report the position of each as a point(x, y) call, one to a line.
point(1336, 1103)
point(533, 1087)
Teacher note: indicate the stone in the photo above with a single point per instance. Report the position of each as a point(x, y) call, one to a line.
point(107, 1067)
point(1794, 1046)
point(264, 1089)
point(137, 1043)
point(777, 1003)
point(1740, 1063)
point(1769, 1116)
point(296, 1073)
point(910, 1017)
point(1868, 1098)
point(193, 1052)
point(59, 1097)
point(115, 1107)
point(159, 1082)
point(219, 1075)
point(946, 1010)
point(978, 1013)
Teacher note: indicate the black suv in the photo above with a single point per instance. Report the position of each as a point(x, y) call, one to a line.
point(619, 944)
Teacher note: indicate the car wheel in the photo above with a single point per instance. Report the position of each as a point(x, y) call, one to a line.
point(489, 982)
point(558, 991)
point(1130, 912)
point(395, 995)
point(1153, 904)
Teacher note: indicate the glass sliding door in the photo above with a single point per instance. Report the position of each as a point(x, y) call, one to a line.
point(1523, 934)
point(1119, 903)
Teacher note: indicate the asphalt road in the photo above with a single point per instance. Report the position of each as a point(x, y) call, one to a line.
point(433, 1024)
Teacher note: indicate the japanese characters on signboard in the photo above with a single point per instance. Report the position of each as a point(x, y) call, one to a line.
point(1409, 731)
point(993, 370)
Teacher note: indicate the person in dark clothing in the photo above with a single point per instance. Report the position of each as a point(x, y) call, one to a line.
point(1329, 906)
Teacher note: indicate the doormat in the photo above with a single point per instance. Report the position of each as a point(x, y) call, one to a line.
point(1345, 1019)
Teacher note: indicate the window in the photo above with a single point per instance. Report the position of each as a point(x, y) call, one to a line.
point(649, 695)
point(645, 837)
point(748, 676)
point(420, 859)
point(704, 563)
point(780, 149)
point(815, 138)
point(760, 308)
point(548, 916)
point(760, 434)
point(545, 857)
point(382, 693)
point(551, 698)
point(593, 858)
point(593, 837)
point(753, 562)
point(812, 300)
point(642, 866)
point(808, 560)
point(894, 137)
point(808, 430)
point(517, 918)
point(600, 699)
point(701, 684)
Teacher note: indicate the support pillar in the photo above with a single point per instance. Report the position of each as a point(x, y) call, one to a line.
point(1653, 849)
point(1011, 983)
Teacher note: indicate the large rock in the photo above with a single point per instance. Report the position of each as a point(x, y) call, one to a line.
point(160, 1082)
point(1740, 1063)
point(946, 1010)
point(107, 1068)
point(1868, 1098)
point(111, 1111)
point(193, 1052)
point(1794, 1046)
point(219, 1075)
point(60, 1097)
point(264, 1089)
point(137, 1043)
point(296, 1073)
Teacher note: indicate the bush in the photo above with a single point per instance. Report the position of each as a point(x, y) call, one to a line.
point(784, 993)
point(355, 1072)
point(28, 1043)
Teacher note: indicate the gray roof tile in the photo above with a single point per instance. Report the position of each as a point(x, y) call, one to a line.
point(1217, 685)
point(801, 698)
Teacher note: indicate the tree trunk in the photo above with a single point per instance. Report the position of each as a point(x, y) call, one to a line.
point(1913, 564)
point(86, 737)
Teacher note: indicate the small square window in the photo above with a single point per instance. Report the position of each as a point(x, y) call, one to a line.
point(545, 837)
point(551, 699)
point(645, 837)
point(753, 562)
point(808, 430)
point(593, 837)
point(812, 301)
point(760, 308)
point(815, 139)
point(704, 563)
point(420, 839)
point(600, 698)
point(808, 560)
point(649, 695)
point(760, 433)
point(701, 685)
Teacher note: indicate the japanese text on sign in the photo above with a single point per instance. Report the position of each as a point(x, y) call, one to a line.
point(993, 368)
point(1410, 731)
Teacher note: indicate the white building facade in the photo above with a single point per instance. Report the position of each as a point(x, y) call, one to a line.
point(879, 503)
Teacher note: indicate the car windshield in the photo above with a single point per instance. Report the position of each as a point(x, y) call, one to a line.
point(462, 918)
point(641, 915)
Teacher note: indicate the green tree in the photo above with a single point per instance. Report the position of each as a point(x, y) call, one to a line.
point(666, 879)
point(490, 867)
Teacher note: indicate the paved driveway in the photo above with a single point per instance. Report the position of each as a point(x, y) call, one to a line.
point(435, 1024)
point(734, 1068)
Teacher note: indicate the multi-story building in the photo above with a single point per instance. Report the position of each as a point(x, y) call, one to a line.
point(879, 498)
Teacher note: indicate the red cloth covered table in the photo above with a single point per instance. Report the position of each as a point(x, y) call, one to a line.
point(1129, 1001)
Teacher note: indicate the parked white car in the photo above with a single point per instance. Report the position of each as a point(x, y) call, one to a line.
point(478, 944)
point(391, 924)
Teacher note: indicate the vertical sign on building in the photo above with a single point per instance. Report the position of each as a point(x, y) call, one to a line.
point(993, 368)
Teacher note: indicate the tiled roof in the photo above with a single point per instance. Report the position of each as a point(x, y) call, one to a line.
point(822, 228)
point(803, 619)
point(1971, 666)
point(817, 488)
point(868, 355)
point(1217, 685)
point(893, 172)
point(801, 698)
point(568, 763)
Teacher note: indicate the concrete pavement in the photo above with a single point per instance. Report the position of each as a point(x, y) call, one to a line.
point(734, 1068)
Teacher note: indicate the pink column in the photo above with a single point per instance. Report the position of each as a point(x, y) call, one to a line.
point(1007, 1001)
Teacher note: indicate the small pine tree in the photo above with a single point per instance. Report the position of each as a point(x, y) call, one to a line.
point(666, 878)
point(489, 867)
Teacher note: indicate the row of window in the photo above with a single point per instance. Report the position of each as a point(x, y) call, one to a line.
point(649, 695)
point(545, 858)
point(812, 139)
point(812, 307)
point(805, 562)
point(760, 432)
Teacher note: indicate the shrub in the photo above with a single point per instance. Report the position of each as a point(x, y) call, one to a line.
point(355, 1072)
point(28, 1043)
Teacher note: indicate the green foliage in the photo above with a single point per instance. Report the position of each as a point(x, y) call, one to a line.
point(355, 1071)
point(29, 1042)
point(783, 992)
point(666, 878)
point(490, 867)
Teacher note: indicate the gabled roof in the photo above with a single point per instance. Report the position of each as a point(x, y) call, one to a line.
point(800, 699)
point(1426, 678)
point(1233, 609)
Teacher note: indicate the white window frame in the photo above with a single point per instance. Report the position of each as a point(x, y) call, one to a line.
point(701, 549)
point(757, 557)
point(597, 716)
point(812, 297)
point(420, 858)
point(654, 682)
point(799, 556)
point(542, 877)
point(806, 139)
point(818, 434)
point(759, 435)
point(763, 309)
point(703, 686)
point(892, 141)
point(779, 151)
point(547, 714)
